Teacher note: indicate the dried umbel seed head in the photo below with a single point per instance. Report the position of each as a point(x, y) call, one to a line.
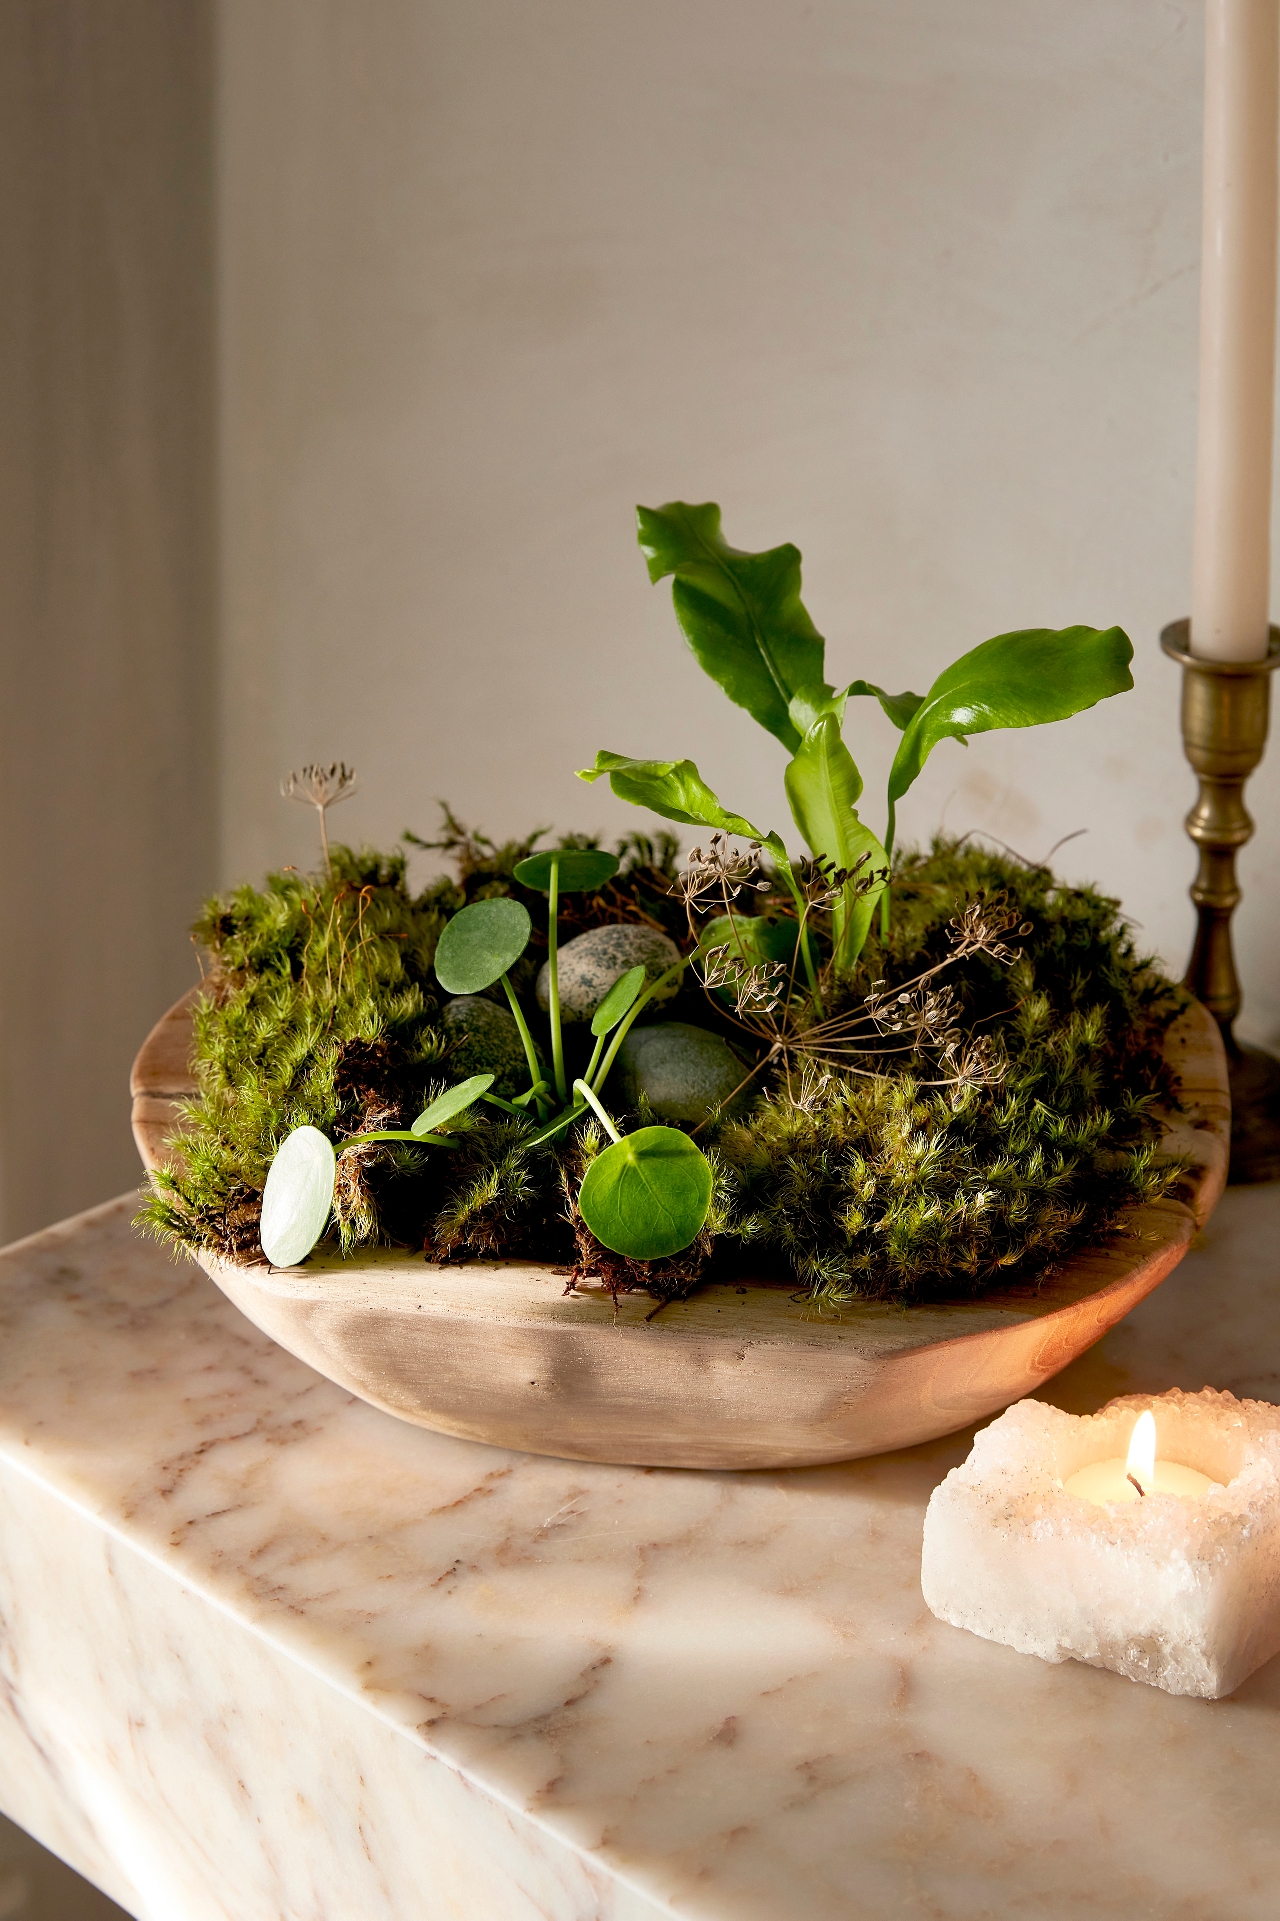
point(815, 1082)
point(720, 968)
point(757, 989)
point(926, 1016)
point(321, 788)
point(980, 927)
point(719, 875)
point(762, 988)
point(978, 1062)
point(822, 882)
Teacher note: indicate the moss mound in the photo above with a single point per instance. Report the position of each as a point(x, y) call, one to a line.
point(877, 1177)
point(890, 1188)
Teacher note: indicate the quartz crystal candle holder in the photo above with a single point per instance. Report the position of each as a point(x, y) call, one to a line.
point(1182, 1593)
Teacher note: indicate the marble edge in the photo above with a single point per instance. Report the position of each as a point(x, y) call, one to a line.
point(597, 1859)
point(73, 1224)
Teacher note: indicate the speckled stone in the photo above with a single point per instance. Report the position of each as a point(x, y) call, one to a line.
point(591, 963)
point(683, 1071)
point(488, 1043)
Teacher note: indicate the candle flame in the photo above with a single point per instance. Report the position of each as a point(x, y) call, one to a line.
point(1141, 1463)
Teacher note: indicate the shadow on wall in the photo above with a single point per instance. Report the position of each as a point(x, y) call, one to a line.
point(106, 564)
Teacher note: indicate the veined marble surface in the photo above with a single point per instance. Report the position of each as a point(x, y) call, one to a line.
point(269, 1655)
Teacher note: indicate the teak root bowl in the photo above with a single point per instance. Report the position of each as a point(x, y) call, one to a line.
point(737, 1377)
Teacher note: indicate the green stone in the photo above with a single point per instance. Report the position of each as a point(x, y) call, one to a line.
point(488, 1043)
point(682, 1071)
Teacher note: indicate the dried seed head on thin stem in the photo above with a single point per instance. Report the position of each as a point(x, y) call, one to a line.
point(762, 989)
point(980, 927)
point(759, 988)
point(321, 788)
point(978, 1062)
point(814, 1083)
point(924, 1015)
point(720, 875)
point(822, 882)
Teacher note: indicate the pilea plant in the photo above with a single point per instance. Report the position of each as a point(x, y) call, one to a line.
point(645, 1197)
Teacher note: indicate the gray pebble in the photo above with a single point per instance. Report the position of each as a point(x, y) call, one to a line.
point(488, 1043)
point(590, 964)
point(683, 1071)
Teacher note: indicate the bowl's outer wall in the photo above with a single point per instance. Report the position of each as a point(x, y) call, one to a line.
point(738, 1377)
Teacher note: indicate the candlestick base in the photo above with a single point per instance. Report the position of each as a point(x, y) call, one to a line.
point(1255, 1115)
point(1225, 712)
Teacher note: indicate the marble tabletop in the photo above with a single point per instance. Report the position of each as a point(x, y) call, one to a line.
point(270, 1655)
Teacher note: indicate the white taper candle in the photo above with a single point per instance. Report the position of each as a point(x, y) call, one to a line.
point(1231, 572)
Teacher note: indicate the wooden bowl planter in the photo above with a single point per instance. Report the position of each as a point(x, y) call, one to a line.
point(740, 1376)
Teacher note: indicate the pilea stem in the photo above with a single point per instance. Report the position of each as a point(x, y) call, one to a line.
point(530, 1051)
point(496, 1100)
point(556, 1126)
point(622, 1030)
point(398, 1134)
point(532, 1093)
point(580, 1087)
point(595, 1059)
point(553, 983)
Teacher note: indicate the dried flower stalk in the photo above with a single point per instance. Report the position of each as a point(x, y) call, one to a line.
point(918, 1017)
point(321, 788)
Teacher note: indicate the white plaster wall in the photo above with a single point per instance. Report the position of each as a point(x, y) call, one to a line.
point(911, 282)
point(107, 526)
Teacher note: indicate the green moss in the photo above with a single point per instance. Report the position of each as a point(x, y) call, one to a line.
point(322, 1008)
point(888, 1188)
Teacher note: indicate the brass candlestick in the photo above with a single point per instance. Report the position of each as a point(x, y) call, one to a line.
point(1225, 705)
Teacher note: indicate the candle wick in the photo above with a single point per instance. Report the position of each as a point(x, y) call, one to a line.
point(1138, 1484)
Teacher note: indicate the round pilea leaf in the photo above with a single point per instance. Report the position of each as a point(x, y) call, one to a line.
point(582, 870)
point(647, 1196)
point(297, 1197)
point(618, 1001)
point(454, 1100)
point(480, 943)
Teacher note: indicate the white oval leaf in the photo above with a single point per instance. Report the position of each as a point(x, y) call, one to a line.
point(298, 1196)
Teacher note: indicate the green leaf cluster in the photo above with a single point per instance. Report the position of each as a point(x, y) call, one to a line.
point(887, 1189)
point(647, 1196)
point(322, 1011)
point(748, 628)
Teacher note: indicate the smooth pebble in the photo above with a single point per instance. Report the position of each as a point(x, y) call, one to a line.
point(590, 964)
point(682, 1071)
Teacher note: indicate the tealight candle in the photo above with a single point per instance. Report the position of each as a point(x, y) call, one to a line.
point(1071, 1538)
point(1138, 1474)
